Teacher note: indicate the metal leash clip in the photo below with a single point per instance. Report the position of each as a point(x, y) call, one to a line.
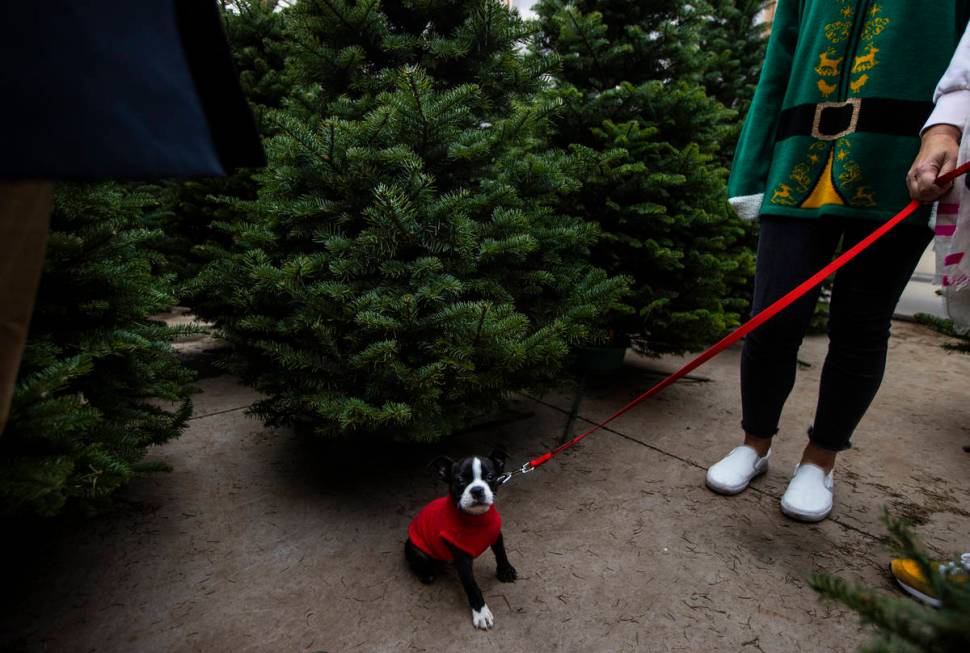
point(507, 476)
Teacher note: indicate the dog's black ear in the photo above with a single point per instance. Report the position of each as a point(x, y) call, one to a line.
point(441, 468)
point(498, 457)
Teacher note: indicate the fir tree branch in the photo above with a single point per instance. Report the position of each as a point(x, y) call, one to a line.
point(478, 329)
point(409, 75)
point(589, 48)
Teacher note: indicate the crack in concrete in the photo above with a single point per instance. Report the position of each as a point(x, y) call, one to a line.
point(607, 429)
point(219, 412)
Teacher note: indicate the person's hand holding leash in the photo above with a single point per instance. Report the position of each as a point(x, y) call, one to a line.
point(937, 156)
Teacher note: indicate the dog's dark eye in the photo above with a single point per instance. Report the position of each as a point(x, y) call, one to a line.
point(459, 479)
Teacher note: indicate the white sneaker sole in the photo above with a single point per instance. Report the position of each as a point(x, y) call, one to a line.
point(729, 490)
point(801, 515)
point(916, 594)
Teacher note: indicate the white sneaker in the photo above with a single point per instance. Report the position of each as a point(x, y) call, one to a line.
point(733, 472)
point(809, 494)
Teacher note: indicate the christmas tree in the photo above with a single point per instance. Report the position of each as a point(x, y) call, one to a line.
point(734, 38)
point(645, 138)
point(903, 625)
point(402, 269)
point(254, 29)
point(99, 382)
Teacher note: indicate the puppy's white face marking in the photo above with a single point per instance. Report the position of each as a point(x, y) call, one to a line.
point(469, 502)
point(483, 618)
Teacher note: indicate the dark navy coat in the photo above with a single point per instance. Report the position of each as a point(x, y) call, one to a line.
point(119, 88)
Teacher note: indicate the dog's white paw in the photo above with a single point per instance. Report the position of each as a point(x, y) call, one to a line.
point(483, 618)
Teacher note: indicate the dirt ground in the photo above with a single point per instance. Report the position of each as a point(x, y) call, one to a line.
point(261, 541)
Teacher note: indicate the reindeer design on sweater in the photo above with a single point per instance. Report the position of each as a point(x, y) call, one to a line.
point(827, 65)
point(866, 62)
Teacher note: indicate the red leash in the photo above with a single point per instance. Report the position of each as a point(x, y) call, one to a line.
point(747, 327)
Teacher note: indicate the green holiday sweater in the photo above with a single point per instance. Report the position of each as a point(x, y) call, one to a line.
point(845, 89)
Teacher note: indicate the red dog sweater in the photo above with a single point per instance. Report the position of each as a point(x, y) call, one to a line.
point(442, 520)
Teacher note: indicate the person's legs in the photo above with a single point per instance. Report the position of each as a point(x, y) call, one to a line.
point(864, 298)
point(25, 209)
point(789, 252)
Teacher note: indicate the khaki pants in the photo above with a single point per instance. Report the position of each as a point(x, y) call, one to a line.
point(25, 210)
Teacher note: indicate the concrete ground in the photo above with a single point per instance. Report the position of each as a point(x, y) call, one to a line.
point(260, 541)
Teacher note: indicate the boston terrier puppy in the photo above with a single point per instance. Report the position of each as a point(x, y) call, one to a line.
point(459, 527)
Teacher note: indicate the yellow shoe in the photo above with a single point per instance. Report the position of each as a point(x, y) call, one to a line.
point(910, 577)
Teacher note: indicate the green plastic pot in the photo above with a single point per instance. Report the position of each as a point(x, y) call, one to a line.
point(600, 359)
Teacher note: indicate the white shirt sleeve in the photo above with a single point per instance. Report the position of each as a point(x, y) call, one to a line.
point(952, 94)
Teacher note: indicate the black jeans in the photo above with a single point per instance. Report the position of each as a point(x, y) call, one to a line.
point(864, 296)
